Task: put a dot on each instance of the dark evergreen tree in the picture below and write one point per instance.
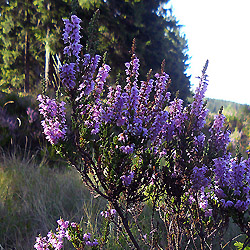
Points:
(28, 28)
(157, 35)
(30, 31)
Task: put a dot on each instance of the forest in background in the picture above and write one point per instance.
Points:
(30, 34)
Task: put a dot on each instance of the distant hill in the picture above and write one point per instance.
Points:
(229, 108)
(238, 121)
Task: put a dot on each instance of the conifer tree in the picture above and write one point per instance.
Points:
(157, 35)
(27, 29)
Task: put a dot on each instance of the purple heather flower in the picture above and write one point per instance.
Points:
(103, 73)
(63, 224)
(132, 72)
(32, 115)
(161, 94)
(219, 138)
(177, 115)
(228, 204)
(199, 178)
(87, 236)
(112, 211)
(127, 179)
(73, 224)
(129, 149)
(67, 74)
(54, 123)
(71, 36)
(41, 243)
(221, 171)
(198, 109)
(109, 213)
(95, 242)
(87, 84)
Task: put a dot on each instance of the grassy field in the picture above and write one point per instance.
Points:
(33, 197)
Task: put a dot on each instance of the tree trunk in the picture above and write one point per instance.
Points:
(27, 53)
(47, 53)
(47, 58)
(26, 62)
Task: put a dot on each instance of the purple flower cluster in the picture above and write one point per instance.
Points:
(54, 123)
(132, 72)
(55, 240)
(198, 110)
(67, 74)
(127, 179)
(108, 214)
(71, 36)
(177, 115)
(32, 115)
(199, 178)
(232, 182)
(87, 84)
(219, 137)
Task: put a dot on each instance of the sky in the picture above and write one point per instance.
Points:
(218, 30)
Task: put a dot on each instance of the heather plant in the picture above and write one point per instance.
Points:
(135, 145)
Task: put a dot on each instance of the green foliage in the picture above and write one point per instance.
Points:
(238, 121)
(239, 246)
(157, 35)
(33, 197)
(30, 32)
(25, 28)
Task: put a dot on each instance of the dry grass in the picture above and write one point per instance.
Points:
(33, 197)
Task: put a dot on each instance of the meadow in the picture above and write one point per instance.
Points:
(33, 197)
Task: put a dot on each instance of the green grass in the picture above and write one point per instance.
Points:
(33, 197)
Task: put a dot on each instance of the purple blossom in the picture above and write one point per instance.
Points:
(63, 224)
(129, 149)
(198, 110)
(32, 115)
(178, 116)
(108, 214)
(161, 95)
(102, 75)
(87, 84)
(199, 178)
(71, 36)
(132, 72)
(54, 123)
(41, 243)
(67, 74)
(219, 138)
(127, 179)
(221, 171)
(87, 236)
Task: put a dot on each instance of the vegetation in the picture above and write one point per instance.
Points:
(158, 173)
(238, 121)
(30, 34)
(33, 197)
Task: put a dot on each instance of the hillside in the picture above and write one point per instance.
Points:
(214, 106)
(238, 120)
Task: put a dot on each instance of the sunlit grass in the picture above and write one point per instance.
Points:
(33, 197)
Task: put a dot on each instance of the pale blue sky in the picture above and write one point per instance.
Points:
(218, 30)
